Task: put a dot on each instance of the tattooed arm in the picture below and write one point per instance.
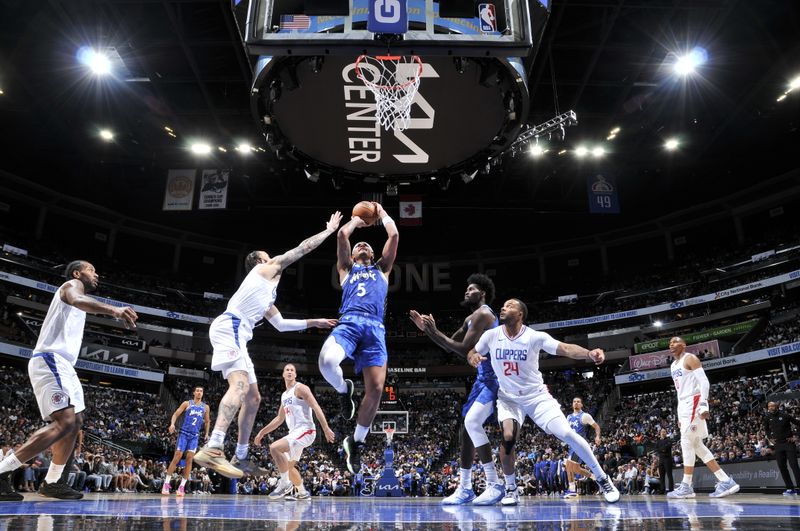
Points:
(309, 244)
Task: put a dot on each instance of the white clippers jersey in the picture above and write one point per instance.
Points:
(62, 330)
(686, 382)
(516, 360)
(298, 412)
(251, 301)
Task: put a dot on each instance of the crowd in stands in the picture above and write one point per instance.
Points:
(779, 333)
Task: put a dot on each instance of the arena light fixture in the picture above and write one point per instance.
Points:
(200, 148)
(537, 150)
(244, 148)
(672, 144)
(794, 83)
(1, 92)
(598, 152)
(658, 324)
(687, 64)
(98, 62)
(106, 135)
(612, 136)
(221, 148)
(781, 97)
(614, 131)
(581, 151)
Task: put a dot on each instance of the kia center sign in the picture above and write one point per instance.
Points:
(318, 111)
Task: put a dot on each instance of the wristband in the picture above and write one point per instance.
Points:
(386, 221)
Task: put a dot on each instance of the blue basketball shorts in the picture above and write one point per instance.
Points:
(363, 340)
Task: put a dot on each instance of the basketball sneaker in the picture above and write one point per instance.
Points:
(569, 494)
(181, 491)
(352, 450)
(459, 497)
(248, 467)
(683, 491)
(610, 492)
(725, 488)
(7, 492)
(511, 497)
(494, 493)
(296, 495)
(789, 492)
(281, 489)
(165, 490)
(214, 458)
(346, 403)
(60, 491)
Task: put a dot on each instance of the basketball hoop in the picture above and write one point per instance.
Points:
(394, 80)
(389, 434)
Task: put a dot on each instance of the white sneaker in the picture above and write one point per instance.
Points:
(281, 490)
(511, 497)
(494, 493)
(725, 488)
(682, 491)
(610, 492)
(459, 497)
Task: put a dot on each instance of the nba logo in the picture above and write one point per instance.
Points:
(488, 19)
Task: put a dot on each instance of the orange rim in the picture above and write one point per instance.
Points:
(372, 85)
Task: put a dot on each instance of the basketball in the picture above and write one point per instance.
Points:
(367, 211)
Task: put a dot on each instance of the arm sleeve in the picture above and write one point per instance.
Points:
(287, 325)
(702, 379)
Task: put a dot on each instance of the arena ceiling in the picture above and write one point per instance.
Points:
(180, 64)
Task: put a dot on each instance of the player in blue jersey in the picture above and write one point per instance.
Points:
(196, 413)
(360, 334)
(480, 403)
(578, 421)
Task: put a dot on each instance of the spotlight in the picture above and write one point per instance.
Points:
(795, 83)
(200, 148)
(657, 324)
(1, 92)
(581, 151)
(598, 152)
(687, 64)
(537, 150)
(672, 144)
(97, 62)
(106, 135)
(221, 148)
(614, 131)
(611, 137)
(562, 151)
(168, 129)
(244, 148)
(781, 97)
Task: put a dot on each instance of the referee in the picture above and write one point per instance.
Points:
(777, 424)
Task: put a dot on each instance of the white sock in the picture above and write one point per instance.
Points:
(9, 463)
(217, 439)
(465, 478)
(301, 488)
(241, 451)
(721, 475)
(687, 478)
(285, 476)
(491, 472)
(54, 472)
(360, 435)
(511, 481)
(572, 486)
(183, 482)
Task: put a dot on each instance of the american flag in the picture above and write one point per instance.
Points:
(295, 22)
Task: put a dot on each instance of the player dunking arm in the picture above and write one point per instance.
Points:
(297, 403)
(229, 334)
(360, 334)
(578, 420)
(514, 349)
(692, 387)
(197, 413)
(56, 386)
(480, 402)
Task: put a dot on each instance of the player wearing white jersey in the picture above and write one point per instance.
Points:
(514, 351)
(297, 404)
(692, 387)
(229, 334)
(56, 386)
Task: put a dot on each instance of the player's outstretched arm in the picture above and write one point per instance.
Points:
(344, 260)
(305, 393)
(389, 253)
(577, 352)
(462, 340)
(177, 414)
(74, 295)
(272, 426)
(309, 244)
(274, 317)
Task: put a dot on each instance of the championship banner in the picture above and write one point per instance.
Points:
(410, 210)
(180, 190)
(214, 189)
(663, 358)
(603, 198)
(703, 335)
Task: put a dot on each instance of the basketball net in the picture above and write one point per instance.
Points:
(389, 434)
(394, 80)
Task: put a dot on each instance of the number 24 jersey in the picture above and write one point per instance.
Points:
(515, 360)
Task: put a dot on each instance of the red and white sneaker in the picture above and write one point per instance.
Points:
(165, 489)
(181, 491)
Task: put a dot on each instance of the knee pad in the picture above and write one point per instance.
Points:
(703, 452)
(509, 445)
